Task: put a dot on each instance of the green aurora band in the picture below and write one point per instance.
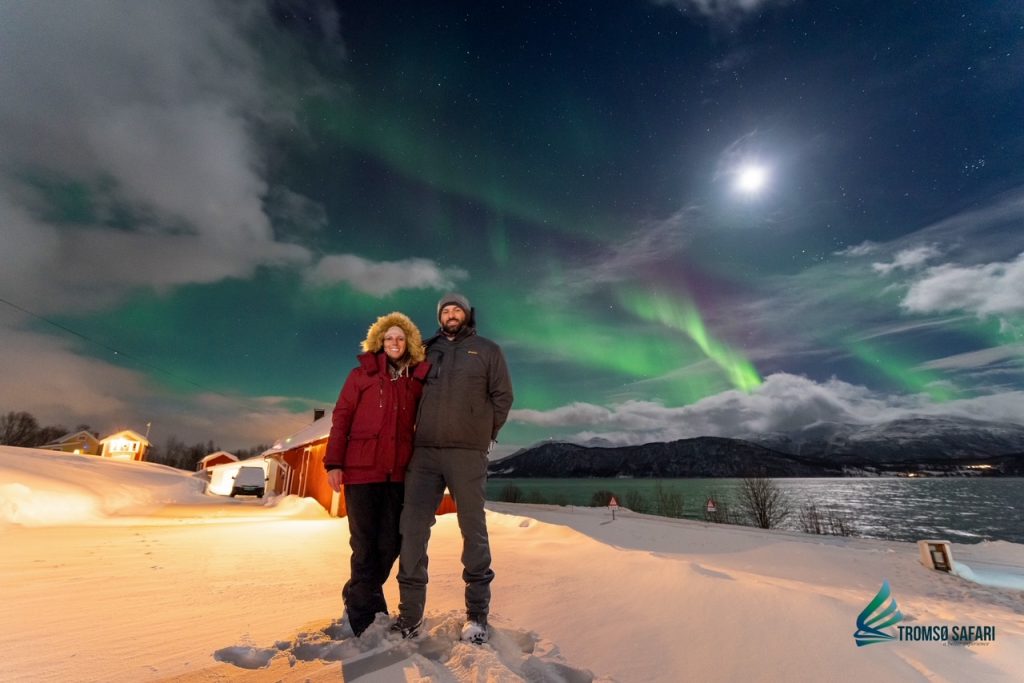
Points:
(684, 317)
(907, 373)
(373, 131)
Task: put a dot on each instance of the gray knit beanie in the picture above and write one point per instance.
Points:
(454, 298)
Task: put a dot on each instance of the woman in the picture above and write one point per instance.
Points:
(369, 448)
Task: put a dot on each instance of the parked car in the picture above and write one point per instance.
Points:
(249, 481)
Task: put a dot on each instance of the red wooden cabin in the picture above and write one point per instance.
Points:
(298, 468)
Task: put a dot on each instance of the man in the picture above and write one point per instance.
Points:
(465, 401)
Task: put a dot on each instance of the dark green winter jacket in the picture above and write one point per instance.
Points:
(467, 395)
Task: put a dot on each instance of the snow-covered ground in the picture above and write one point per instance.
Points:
(129, 572)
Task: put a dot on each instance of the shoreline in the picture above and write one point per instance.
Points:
(969, 510)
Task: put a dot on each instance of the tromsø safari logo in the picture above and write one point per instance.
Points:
(879, 622)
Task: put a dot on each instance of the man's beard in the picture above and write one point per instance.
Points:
(453, 327)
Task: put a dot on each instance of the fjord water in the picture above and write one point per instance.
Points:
(958, 509)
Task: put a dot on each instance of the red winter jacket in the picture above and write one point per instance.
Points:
(373, 422)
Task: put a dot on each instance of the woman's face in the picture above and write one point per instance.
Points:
(394, 342)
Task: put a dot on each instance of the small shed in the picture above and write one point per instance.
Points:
(215, 458)
(124, 445)
(76, 442)
(299, 470)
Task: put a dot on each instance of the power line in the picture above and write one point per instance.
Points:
(117, 352)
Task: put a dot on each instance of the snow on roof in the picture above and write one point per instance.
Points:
(236, 464)
(217, 454)
(71, 436)
(127, 433)
(317, 430)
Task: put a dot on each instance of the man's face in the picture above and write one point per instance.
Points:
(452, 319)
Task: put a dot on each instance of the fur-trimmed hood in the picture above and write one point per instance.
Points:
(374, 341)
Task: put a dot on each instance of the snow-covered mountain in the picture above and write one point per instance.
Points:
(822, 449)
(914, 439)
(707, 456)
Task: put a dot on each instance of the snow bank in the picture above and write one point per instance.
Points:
(999, 564)
(296, 507)
(47, 488)
(39, 487)
(996, 579)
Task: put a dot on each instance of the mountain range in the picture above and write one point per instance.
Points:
(916, 445)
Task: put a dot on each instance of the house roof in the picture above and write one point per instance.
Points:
(126, 433)
(319, 429)
(256, 460)
(217, 454)
(71, 436)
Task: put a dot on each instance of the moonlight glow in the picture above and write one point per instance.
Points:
(751, 179)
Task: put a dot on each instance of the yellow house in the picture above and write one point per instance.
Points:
(79, 442)
(125, 445)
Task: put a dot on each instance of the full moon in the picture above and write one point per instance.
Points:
(751, 179)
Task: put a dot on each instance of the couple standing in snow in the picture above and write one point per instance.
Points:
(412, 419)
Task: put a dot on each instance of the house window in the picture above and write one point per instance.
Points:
(122, 448)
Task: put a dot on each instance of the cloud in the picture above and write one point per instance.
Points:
(652, 243)
(146, 110)
(783, 403)
(978, 359)
(980, 235)
(29, 245)
(837, 297)
(739, 154)
(863, 249)
(193, 162)
(722, 9)
(72, 388)
(92, 268)
(901, 328)
(574, 414)
(236, 422)
(986, 289)
(908, 259)
(380, 278)
(294, 215)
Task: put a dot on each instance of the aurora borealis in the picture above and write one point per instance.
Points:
(678, 217)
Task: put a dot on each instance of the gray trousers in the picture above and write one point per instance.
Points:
(464, 472)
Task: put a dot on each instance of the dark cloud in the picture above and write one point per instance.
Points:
(155, 103)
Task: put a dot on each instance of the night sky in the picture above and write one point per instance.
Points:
(677, 217)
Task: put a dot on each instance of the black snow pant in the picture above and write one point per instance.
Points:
(464, 472)
(374, 511)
